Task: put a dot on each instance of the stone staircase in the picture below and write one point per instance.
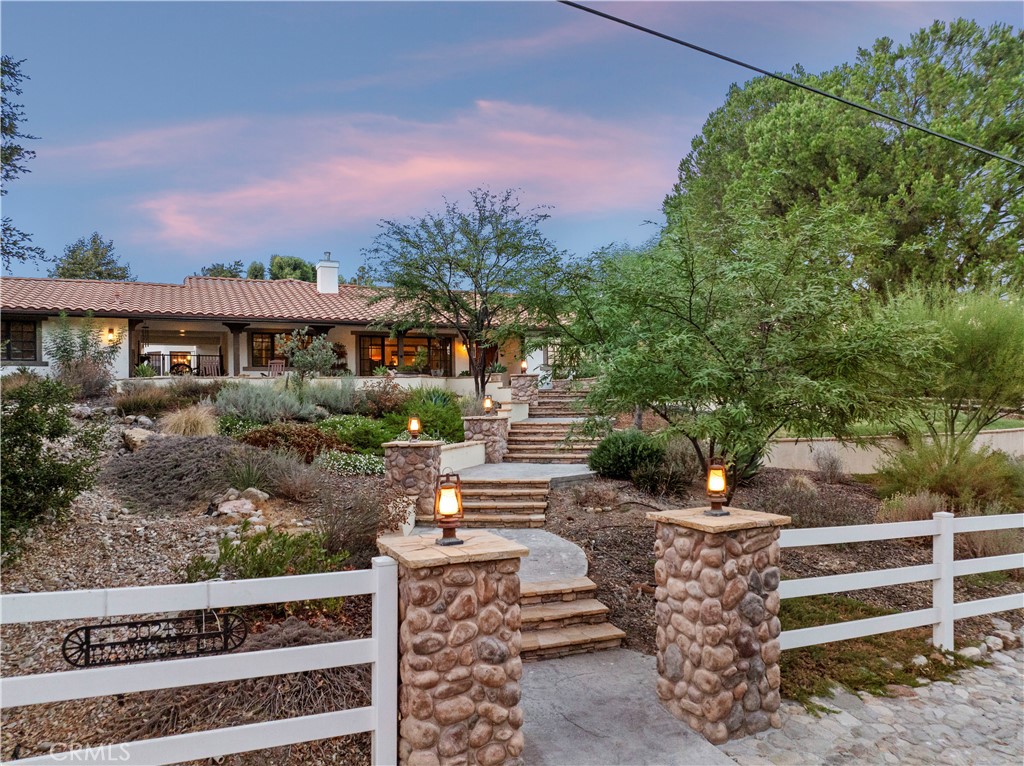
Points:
(559, 403)
(545, 441)
(501, 503)
(562, 617)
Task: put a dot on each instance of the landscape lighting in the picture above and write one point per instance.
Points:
(448, 507)
(524, 365)
(110, 335)
(414, 427)
(717, 487)
(488, 404)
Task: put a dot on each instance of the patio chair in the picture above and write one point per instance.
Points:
(209, 368)
(276, 368)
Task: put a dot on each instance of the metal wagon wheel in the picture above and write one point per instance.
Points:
(181, 368)
(76, 647)
(235, 631)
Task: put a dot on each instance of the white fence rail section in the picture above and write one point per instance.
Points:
(381, 651)
(944, 567)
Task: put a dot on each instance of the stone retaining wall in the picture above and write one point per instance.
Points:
(524, 388)
(492, 430)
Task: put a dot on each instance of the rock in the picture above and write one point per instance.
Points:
(110, 411)
(81, 411)
(994, 643)
(970, 653)
(143, 421)
(919, 661)
(232, 494)
(1009, 639)
(1000, 624)
(255, 495)
(135, 438)
(237, 507)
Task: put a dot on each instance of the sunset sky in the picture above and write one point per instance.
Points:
(197, 132)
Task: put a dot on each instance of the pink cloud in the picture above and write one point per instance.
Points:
(356, 169)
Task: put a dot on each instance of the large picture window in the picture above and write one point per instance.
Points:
(401, 354)
(262, 350)
(19, 340)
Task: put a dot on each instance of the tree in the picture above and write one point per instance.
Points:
(17, 245)
(256, 271)
(920, 208)
(462, 269)
(91, 258)
(290, 267)
(234, 269)
(307, 355)
(83, 356)
(362, 277)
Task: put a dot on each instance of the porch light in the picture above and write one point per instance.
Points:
(488, 404)
(524, 366)
(414, 427)
(110, 335)
(717, 488)
(448, 507)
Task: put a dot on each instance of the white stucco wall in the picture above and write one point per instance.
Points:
(47, 327)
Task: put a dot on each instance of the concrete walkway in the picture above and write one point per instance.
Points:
(600, 709)
(559, 474)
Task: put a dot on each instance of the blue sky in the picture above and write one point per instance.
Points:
(197, 132)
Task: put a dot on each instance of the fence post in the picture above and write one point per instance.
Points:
(385, 670)
(942, 587)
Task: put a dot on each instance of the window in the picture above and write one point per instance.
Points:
(262, 349)
(375, 351)
(19, 340)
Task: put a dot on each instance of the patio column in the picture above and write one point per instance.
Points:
(458, 642)
(717, 619)
(236, 346)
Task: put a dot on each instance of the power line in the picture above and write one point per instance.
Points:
(790, 81)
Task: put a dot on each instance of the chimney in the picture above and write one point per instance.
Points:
(327, 275)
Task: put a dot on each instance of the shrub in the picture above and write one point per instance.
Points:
(149, 400)
(262, 404)
(966, 478)
(380, 397)
(361, 434)
(232, 425)
(438, 412)
(83, 357)
(47, 462)
(186, 389)
(307, 355)
(471, 406)
(15, 380)
(350, 523)
(304, 440)
(144, 370)
(171, 474)
(674, 473)
(918, 506)
(197, 420)
(281, 474)
(798, 498)
(998, 542)
(623, 452)
(269, 553)
(829, 465)
(338, 398)
(244, 467)
(347, 463)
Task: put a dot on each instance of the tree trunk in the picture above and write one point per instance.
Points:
(638, 418)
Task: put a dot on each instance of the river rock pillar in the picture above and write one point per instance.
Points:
(717, 606)
(524, 388)
(492, 430)
(459, 641)
(412, 467)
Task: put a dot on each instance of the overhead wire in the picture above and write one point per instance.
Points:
(791, 81)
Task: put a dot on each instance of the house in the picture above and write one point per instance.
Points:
(219, 326)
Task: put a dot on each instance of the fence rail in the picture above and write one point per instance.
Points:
(380, 651)
(943, 612)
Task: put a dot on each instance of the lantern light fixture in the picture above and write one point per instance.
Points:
(110, 335)
(448, 507)
(488, 404)
(414, 427)
(717, 487)
(524, 366)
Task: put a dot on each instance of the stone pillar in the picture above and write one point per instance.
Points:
(458, 643)
(413, 467)
(492, 430)
(524, 388)
(717, 616)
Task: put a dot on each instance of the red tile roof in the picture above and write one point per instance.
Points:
(220, 298)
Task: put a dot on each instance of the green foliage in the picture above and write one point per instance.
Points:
(16, 245)
(347, 463)
(307, 355)
(186, 390)
(256, 270)
(338, 397)
(282, 474)
(438, 411)
(673, 474)
(974, 477)
(464, 269)
(46, 461)
(233, 425)
(291, 267)
(380, 370)
(916, 207)
(263, 404)
(623, 452)
(18, 378)
(234, 269)
(91, 258)
(307, 441)
(270, 553)
(144, 370)
(380, 397)
(350, 523)
(83, 357)
(362, 434)
(149, 400)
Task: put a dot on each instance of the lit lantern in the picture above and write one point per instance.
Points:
(448, 507)
(414, 427)
(717, 487)
(110, 335)
(524, 366)
(488, 404)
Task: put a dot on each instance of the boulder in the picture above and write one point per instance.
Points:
(239, 507)
(255, 495)
(135, 438)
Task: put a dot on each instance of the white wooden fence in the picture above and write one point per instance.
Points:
(944, 567)
(381, 651)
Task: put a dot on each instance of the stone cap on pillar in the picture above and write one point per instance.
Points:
(525, 375)
(420, 551)
(417, 443)
(738, 518)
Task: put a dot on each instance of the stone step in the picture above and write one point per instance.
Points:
(575, 639)
(534, 438)
(545, 591)
(555, 445)
(562, 614)
(509, 483)
(528, 493)
(518, 506)
(510, 520)
(532, 457)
